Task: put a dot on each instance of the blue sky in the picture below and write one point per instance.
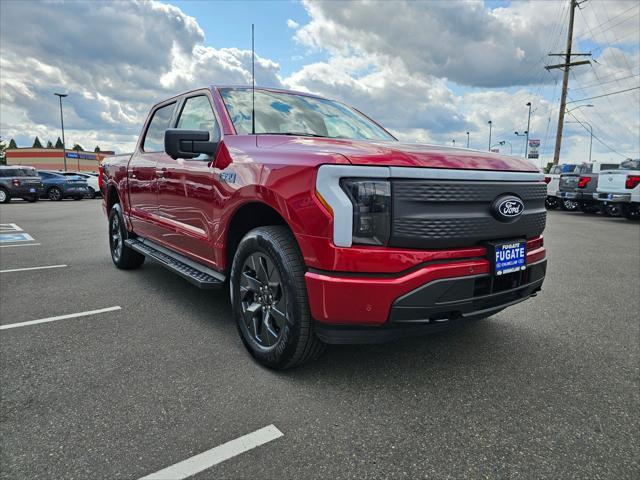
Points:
(429, 71)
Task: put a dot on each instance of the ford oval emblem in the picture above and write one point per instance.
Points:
(507, 208)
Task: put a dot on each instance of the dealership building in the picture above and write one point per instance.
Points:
(53, 159)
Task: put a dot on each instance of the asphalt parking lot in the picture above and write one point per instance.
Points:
(545, 389)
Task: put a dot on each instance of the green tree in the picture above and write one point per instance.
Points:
(97, 149)
(77, 147)
(3, 157)
(36, 143)
(59, 143)
(49, 144)
(12, 144)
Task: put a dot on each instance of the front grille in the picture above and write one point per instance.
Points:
(449, 213)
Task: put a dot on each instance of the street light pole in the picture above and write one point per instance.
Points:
(64, 145)
(454, 142)
(526, 147)
(467, 139)
(490, 125)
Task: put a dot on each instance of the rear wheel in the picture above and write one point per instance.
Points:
(4, 196)
(630, 211)
(551, 203)
(91, 194)
(123, 257)
(610, 210)
(589, 208)
(569, 205)
(54, 194)
(269, 299)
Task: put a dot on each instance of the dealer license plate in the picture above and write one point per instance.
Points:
(509, 257)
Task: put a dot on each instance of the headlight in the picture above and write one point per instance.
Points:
(371, 201)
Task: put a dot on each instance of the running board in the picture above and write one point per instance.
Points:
(199, 275)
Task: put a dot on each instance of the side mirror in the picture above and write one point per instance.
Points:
(188, 143)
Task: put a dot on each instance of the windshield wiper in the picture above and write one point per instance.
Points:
(295, 134)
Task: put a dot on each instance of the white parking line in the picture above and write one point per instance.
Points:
(20, 245)
(10, 227)
(15, 237)
(31, 268)
(61, 317)
(216, 455)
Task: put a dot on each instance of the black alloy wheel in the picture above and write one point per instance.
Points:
(263, 300)
(610, 210)
(551, 203)
(630, 211)
(569, 205)
(54, 194)
(123, 257)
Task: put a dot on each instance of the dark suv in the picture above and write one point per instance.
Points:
(19, 182)
(57, 186)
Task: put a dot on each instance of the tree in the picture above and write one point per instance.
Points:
(3, 158)
(59, 143)
(12, 144)
(77, 147)
(49, 144)
(36, 143)
(97, 149)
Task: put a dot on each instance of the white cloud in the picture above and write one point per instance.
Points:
(292, 24)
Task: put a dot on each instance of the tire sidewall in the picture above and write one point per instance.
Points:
(116, 211)
(7, 197)
(260, 241)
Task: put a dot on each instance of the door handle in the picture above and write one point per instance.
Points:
(161, 172)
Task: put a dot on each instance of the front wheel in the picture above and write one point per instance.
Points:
(630, 211)
(269, 299)
(54, 194)
(123, 257)
(91, 194)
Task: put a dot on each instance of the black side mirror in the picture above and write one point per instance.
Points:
(188, 143)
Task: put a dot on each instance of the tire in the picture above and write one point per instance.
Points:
(589, 208)
(123, 257)
(630, 211)
(551, 203)
(54, 194)
(611, 210)
(267, 276)
(569, 205)
(4, 196)
(91, 194)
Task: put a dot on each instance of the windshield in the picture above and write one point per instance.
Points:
(630, 165)
(291, 114)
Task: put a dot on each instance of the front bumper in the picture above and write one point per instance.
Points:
(612, 197)
(352, 308)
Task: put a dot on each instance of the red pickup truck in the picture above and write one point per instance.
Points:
(324, 226)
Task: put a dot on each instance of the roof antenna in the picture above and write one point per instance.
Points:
(253, 84)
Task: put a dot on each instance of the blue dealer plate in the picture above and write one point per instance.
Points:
(510, 257)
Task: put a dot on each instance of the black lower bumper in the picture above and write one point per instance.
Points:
(440, 304)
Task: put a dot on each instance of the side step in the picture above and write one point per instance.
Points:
(195, 273)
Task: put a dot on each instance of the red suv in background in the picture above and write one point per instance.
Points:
(326, 228)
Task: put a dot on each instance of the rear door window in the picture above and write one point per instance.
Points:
(154, 139)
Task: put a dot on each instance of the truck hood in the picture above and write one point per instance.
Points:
(399, 154)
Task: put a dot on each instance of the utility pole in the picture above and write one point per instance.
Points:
(565, 79)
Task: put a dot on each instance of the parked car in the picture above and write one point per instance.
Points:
(328, 229)
(18, 181)
(552, 179)
(577, 188)
(57, 186)
(92, 182)
(622, 187)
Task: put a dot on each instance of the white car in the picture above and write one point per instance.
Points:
(622, 187)
(92, 182)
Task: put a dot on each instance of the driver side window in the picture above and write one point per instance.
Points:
(197, 114)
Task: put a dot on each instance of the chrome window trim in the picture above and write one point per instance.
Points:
(328, 185)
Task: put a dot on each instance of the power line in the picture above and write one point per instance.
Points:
(598, 139)
(605, 95)
(585, 87)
